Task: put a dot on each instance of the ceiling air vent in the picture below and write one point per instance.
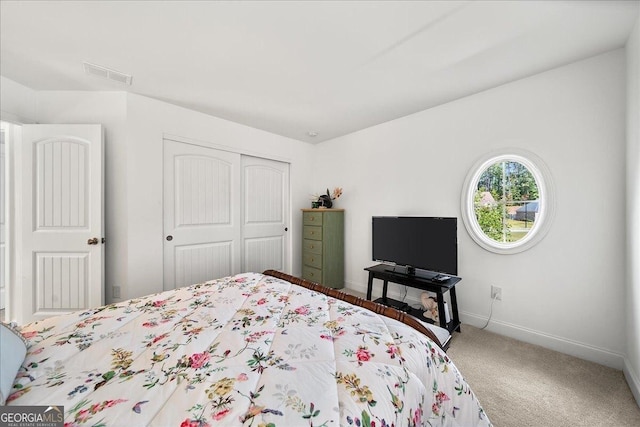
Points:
(107, 73)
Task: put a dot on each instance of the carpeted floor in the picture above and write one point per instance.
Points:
(520, 384)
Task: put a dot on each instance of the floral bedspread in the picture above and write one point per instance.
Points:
(248, 350)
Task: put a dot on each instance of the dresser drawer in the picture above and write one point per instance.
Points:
(313, 274)
(312, 218)
(312, 260)
(311, 247)
(312, 232)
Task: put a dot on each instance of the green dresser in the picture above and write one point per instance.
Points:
(323, 246)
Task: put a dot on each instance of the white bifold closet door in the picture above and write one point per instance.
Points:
(265, 192)
(224, 213)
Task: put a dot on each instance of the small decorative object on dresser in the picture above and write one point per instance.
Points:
(325, 201)
(323, 246)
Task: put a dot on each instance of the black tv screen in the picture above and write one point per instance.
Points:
(426, 243)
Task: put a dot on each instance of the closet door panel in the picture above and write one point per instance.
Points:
(201, 214)
(265, 219)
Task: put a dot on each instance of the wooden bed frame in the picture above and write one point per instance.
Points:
(360, 302)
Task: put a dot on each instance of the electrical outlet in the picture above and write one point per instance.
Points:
(496, 293)
(115, 292)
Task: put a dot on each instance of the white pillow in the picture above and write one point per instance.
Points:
(13, 349)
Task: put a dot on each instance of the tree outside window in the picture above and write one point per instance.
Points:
(506, 201)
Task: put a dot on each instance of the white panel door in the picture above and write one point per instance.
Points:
(59, 221)
(201, 214)
(265, 185)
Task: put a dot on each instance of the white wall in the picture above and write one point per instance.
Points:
(147, 121)
(17, 103)
(567, 292)
(24, 105)
(108, 109)
(632, 365)
(134, 129)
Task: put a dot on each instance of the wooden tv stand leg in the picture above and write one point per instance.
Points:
(385, 286)
(454, 308)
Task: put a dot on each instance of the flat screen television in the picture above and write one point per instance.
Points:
(425, 243)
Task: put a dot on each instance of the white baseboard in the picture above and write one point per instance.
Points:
(563, 345)
(632, 379)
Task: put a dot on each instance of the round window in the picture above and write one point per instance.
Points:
(507, 202)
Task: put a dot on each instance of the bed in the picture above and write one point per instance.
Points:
(251, 349)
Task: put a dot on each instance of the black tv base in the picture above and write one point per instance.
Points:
(381, 272)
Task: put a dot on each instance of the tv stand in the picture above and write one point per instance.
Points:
(420, 280)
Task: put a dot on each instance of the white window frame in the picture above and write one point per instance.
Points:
(546, 199)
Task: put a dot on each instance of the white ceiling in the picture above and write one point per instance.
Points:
(290, 67)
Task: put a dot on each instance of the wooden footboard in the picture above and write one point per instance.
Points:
(352, 299)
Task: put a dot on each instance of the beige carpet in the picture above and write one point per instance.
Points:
(520, 384)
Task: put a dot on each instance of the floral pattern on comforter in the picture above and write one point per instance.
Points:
(248, 350)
